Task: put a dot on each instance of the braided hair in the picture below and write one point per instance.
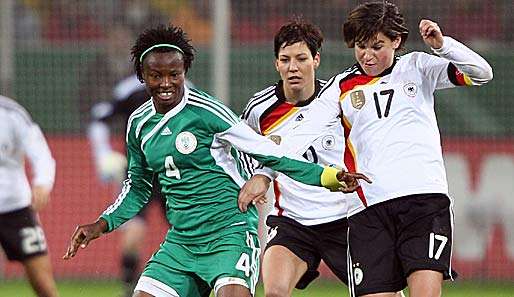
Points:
(170, 35)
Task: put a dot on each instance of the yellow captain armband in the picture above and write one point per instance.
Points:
(329, 179)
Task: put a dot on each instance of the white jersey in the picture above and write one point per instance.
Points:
(20, 137)
(269, 114)
(391, 131)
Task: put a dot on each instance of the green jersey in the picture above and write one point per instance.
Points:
(194, 151)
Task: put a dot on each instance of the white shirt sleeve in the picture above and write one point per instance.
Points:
(244, 139)
(476, 68)
(253, 122)
(38, 153)
(322, 113)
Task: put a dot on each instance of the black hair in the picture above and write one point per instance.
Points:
(298, 30)
(162, 35)
(368, 19)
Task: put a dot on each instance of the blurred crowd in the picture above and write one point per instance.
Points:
(252, 21)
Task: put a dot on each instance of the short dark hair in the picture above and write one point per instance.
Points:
(367, 20)
(159, 35)
(298, 30)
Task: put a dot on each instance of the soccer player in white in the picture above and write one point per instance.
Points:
(400, 228)
(307, 224)
(21, 235)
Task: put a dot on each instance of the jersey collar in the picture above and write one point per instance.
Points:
(384, 73)
(178, 107)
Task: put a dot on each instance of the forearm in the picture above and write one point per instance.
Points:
(476, 68)
(133, 197)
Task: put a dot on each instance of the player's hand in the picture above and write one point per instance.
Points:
(431, 34)
(253, 191)
(350, 180)
(40, 197)
(83, 235)
(112, 167)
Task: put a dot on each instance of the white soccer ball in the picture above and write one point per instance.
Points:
(112, 167)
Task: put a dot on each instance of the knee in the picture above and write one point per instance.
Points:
(277, 291)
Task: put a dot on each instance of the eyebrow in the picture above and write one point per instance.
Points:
(297, 55)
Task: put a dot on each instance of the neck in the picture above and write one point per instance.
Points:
(297, 96)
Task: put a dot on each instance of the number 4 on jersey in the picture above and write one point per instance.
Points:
(171, 169)
(243, 264)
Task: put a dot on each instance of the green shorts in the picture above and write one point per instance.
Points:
(196, 269)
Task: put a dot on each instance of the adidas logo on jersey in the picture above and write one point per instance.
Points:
(299, 117)
(166, 131)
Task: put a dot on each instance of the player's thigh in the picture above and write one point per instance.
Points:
(333, 247)
(133, 233)
(281, 270)
(171, 270)
(425, 242)
(301, 241)
(21, 236)
(231, 260)
(373, 263)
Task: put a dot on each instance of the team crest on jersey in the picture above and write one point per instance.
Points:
(275, 138)
(358, 99)
(328, 142)
(186, 142)
(358, 275)
(410, 89)
(272, 232)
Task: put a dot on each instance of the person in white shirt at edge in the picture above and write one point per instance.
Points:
(298, 237)
(21, 235)
(400, 227)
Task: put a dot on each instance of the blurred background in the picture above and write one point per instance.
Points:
(59, 57)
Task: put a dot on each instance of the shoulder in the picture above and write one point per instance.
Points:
(126, 87)
(208, 107)
(14, 109)
(336, 81)
(259, 100)
(139, 115)
(415, 59)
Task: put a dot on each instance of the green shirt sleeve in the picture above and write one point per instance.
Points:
(136, 189)
(271, 155)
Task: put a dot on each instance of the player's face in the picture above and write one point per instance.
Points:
(164, 76)
(376, 55)
(296, 66)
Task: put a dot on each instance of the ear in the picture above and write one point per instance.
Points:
(276, 65)
(143, 76)
(396, 42)
(317, 60)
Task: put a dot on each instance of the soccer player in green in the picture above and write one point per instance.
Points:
(191, 141)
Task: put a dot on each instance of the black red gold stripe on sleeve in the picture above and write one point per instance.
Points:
(277, 116)
(457, 77)
(350, 156)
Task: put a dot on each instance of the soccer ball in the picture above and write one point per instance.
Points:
(112, 167)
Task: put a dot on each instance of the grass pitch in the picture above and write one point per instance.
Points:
(19, 288)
